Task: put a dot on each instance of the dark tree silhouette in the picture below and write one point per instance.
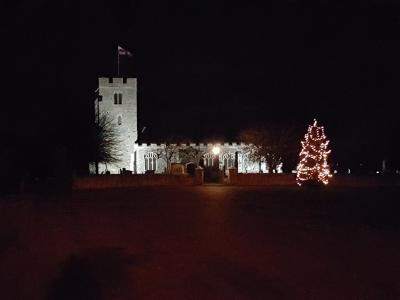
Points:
(272, 144)
(255, 144)
(105, 142)
(190, 155)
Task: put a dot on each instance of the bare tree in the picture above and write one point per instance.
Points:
(281, 145)
(168, 152)
(274, 143)
(105, 144)
(255, 144)
(190, 154)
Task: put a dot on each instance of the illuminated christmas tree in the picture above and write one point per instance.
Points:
(313, 166)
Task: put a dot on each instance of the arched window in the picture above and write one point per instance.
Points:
(208, 159)
(150, 161)
(229, 160)
(117, 98)
(245, 162)
(119, 120)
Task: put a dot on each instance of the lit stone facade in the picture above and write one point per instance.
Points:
(119, 101)
(230, 155)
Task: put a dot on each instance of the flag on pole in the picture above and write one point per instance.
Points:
(122, 51)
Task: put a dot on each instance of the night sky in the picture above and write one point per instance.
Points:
(206, 70)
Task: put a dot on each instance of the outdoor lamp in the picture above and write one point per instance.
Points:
(216, 150)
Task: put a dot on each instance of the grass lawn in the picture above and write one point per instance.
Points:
(209, 242)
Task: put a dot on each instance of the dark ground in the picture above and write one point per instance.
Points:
(208, 242)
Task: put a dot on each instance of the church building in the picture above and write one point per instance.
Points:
(118, 100)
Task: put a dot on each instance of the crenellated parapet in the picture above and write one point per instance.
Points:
(117, 81)
(201, 145)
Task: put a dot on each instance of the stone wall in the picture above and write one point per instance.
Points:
(125, 181)
(365, 181)
(237, 179)
(290, 180)
(261, 179)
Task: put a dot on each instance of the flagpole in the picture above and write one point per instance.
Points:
(121, 51)
(118, 61)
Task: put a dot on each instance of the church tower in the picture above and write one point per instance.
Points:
(118, 100)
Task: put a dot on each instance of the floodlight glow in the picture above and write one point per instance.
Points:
(216, 150)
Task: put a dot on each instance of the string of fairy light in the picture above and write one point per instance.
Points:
(313, 164)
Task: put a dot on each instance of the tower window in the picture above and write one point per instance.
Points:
(117, 98)
(119, 120)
